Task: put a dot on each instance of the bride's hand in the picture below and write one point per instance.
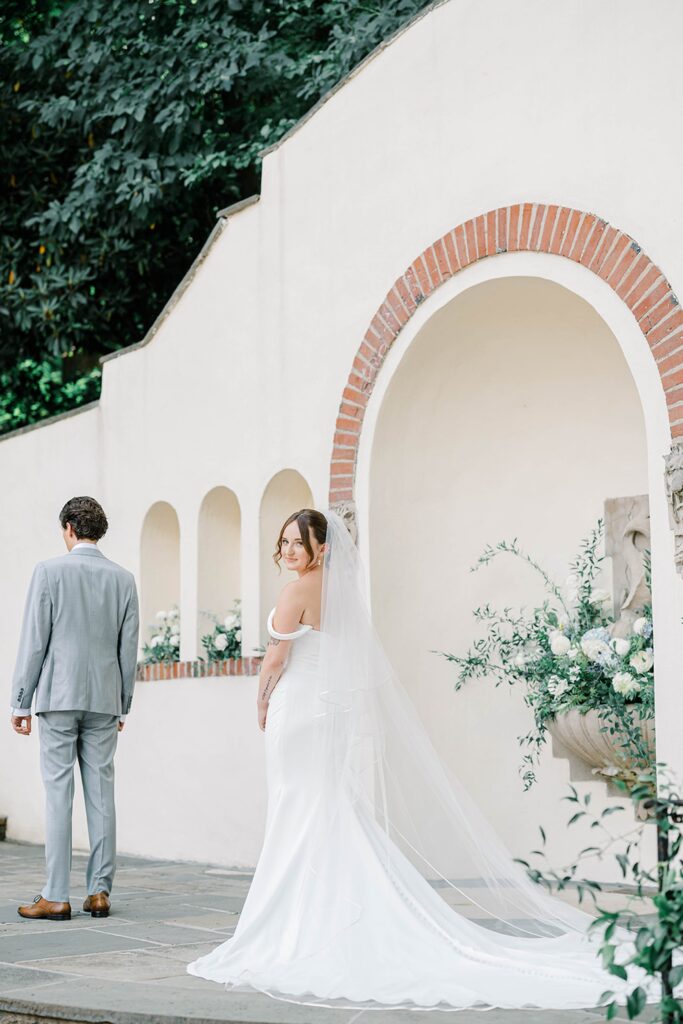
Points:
(262, 708)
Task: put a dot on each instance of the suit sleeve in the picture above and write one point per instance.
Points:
(35, 636)
(128, 649)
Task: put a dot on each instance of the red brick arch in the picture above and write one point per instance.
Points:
(525, 227)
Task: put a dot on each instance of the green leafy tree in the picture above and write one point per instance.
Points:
(125, 125)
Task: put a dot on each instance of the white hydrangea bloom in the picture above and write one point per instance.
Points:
(594, 649)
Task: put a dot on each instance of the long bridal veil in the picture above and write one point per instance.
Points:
(374, 755)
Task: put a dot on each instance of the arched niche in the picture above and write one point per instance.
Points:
(287, 492)
(159, 564)
(511, 413)
(218, 556)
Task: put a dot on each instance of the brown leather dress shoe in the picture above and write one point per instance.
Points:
(98, 904)
(42, 909)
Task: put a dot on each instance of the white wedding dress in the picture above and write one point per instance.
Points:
(357, 924)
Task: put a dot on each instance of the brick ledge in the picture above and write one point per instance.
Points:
(198, 669)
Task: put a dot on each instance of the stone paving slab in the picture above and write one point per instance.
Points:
(130, 968)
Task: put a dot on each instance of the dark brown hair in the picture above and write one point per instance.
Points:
(307, 519)
(86, 517)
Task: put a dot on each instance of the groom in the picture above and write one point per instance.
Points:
(77, 655)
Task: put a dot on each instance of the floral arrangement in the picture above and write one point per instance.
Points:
(164, 644)
(565, 655)
(225, 640)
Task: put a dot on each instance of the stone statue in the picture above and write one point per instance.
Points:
(347, 511)
(674, 488)
(627, 538)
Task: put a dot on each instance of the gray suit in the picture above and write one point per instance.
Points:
(77, 656)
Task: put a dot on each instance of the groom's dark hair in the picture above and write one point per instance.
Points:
(86, 517)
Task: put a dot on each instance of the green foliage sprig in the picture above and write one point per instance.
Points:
(657, 937)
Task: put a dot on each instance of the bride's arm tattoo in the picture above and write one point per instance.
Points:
(269, 683)
(271, 675)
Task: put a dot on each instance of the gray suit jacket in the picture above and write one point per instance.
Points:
(79, 638)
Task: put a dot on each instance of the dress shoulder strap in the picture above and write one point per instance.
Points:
(286, 636)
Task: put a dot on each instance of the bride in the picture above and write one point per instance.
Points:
(380, 883)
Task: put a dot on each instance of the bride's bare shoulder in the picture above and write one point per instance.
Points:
(289, 608)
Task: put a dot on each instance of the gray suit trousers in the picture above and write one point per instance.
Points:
(90, 737)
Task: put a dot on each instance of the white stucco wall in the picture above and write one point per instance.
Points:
(474, 106)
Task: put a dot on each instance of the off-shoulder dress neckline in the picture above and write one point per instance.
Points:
(304, 627)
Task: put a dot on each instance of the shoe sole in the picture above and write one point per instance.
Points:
(99, 913)
(46, 917)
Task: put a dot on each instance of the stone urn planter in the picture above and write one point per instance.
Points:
(580, 734)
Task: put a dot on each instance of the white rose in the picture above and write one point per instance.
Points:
(621, 646)
(220, 642)
(175, 640)
(639, 626)
(230, 621)
(559, 643)
(238, 634)
(624, 683)
(156, 640)
(599, 596)
(641, 661)
(160, 616)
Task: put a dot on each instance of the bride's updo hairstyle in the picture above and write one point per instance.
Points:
(307, 519)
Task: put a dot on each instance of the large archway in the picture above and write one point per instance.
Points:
(632, 296)
(582, 237)
(511, 414)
